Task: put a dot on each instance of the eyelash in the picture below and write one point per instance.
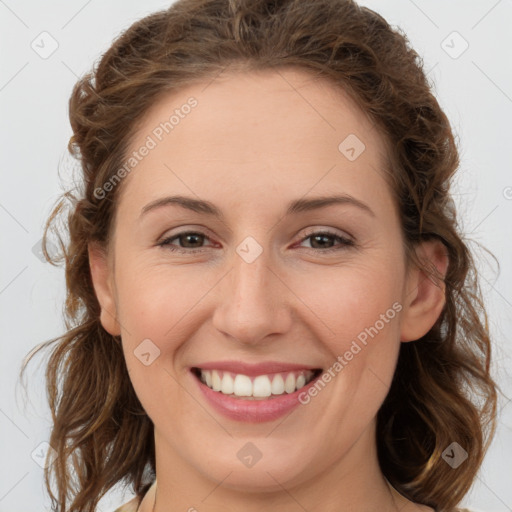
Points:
(345, 242)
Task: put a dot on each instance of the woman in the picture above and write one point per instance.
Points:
(314, 346)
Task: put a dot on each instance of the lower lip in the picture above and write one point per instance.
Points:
(253, 411)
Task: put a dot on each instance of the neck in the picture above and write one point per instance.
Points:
(354, 482)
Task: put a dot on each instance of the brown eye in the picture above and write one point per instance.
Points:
(321, 240)
(190, 240)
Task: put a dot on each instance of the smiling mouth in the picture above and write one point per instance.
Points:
(260, 387)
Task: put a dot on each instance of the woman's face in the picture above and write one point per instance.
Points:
(259, 281)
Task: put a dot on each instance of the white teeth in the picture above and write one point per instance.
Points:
(242, 386)
(227, 384)
(289, 383)
(261, 386)
(278, 385)
(216, 382)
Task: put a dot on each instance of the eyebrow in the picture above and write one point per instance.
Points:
(296, 206)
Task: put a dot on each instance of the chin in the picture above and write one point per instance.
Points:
(269, 473)
(266, 479)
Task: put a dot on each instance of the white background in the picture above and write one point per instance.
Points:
(475, 90)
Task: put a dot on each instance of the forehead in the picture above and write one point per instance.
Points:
(264, 132)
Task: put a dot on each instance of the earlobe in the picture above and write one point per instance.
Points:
(102, 281)
(424, 296)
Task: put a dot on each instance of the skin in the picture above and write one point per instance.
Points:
(255, 142)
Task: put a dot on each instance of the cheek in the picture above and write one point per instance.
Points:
(153, 299)
(355, 313)
(348, 300)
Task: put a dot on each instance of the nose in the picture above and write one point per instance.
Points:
(253, 302)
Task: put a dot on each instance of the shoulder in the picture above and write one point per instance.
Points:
(461, 510)
(134, 505)
(424, 508)
(130, 506)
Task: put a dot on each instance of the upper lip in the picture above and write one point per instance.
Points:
(254, 369)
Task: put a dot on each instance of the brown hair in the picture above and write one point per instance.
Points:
(442, 389)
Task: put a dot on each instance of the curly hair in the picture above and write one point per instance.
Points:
(442, 389)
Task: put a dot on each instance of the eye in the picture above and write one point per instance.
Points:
(188, 237)
(190, 241)
(319, 239)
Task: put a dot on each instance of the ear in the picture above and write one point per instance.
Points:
(101, 274)
(425, 293)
